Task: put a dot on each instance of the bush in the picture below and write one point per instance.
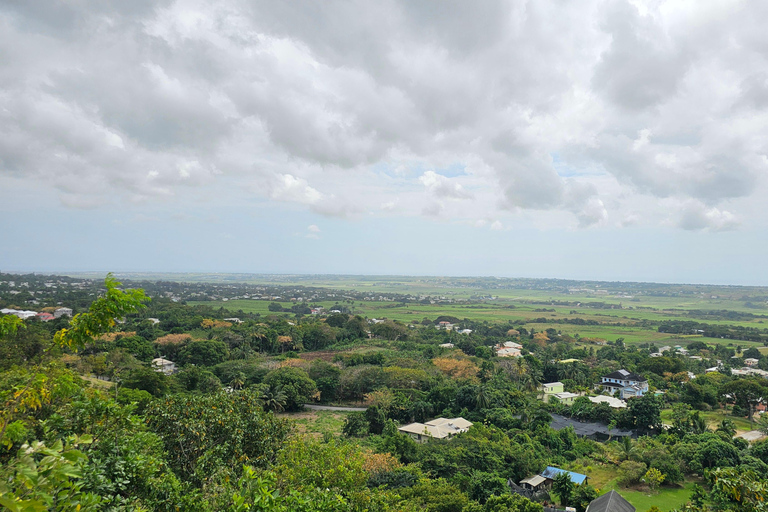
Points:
(294, 383)
(630, 472)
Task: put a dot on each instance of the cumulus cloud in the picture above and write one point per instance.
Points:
(542, 102)
(314, 231)
(443, 187)
(694, 216)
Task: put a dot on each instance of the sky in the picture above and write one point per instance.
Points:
(610, 140)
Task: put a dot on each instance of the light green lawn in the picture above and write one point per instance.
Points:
(667, 498)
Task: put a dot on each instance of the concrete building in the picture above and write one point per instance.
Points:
(628, 384)
(439, 428)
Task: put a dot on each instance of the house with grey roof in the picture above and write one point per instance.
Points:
(610, 502)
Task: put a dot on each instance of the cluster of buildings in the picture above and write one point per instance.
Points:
(538, 486)
(43, 316)
(622, 382)
(448, 326)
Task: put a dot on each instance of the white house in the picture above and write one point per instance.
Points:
(439, 428)
(62, 312)
(164, 366)
(626, 383)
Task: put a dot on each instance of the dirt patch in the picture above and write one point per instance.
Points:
(325, 355)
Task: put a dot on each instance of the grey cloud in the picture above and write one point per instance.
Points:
(143, 98)
(695, 216)
(642, 66)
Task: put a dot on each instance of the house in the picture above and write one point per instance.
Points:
(62, 312)
(534, 483)
(664, 349)
(446, 345)
(751, 361)
(627, 384)
(566, 397)
(465, 331)
(154, 321)
(550, 389)
(615, 403)
(508, 352)
(45, 317)
(509, 344)
(439, 428)
(164, 366)
(551, 473)
(316, 311)
(571, 360)
(610, 502)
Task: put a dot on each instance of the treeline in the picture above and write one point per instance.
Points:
(734, 332)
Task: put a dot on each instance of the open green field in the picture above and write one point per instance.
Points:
(713, 419)
(633, 324)
(316, 423)
(604, 477)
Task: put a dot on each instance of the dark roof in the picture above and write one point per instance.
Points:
(587, 429)
(610, 502)
(625, 375)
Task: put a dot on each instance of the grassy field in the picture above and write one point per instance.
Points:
(603, 477)
(317, 423)
(631, 329)
(713, 419)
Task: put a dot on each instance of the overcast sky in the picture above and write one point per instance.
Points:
(620, 140)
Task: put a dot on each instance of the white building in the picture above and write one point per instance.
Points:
(439, 428)
(164, 366)
(62, 312)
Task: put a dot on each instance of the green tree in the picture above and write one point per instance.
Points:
(327, 376)
(101, 315)
(564, 488)
(582, 496)
(645, 413)
(295, 383)
(47, 478)
(207, 435)
(653, 477)
(204, 353)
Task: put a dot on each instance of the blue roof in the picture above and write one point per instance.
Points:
(552, 472)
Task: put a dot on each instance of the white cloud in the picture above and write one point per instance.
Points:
(603, 112)
(443, 187)
(695, 216)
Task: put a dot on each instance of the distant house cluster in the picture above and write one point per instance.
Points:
(42, 316)
(448, 326)
(439, 428)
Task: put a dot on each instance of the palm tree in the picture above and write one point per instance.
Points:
(698, 424)
(626, 447)
(275, 400)
(727, 426)
(238, 381)
(483, 398)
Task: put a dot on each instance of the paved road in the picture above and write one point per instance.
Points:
(333, 408)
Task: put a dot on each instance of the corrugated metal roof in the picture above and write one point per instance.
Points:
(551, 472)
